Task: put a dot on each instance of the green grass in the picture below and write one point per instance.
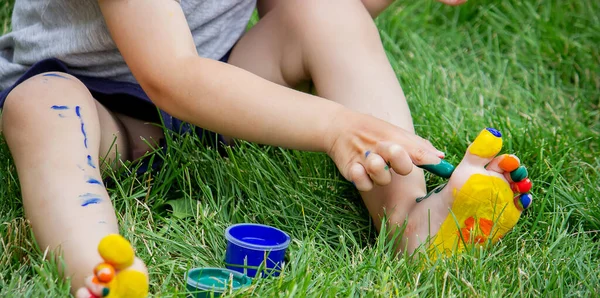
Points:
(529, 68)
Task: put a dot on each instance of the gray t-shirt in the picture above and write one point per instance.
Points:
(74, 31)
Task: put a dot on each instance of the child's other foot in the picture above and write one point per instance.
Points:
(120, 275)
(486, 193)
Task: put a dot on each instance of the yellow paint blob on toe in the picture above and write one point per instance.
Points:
(486, 144)
(130, 284)
(117, 251)
(483, 210)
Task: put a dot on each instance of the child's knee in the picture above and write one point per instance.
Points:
(315, 17)
(42, 93)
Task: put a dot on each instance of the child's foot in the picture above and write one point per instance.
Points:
(486, 194)
(120, 275)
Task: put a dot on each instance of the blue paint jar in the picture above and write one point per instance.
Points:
(255, 249)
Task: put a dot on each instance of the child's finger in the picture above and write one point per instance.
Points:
(419, 150)
(422, 156)
(398, 158)
(360, 178)
(426, 144)
(378, 169)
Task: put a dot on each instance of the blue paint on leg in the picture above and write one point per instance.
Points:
(90, 199)
(59, 107)
(55, 75)
(93, 181)
(78, 112)
(90, 162)
(84, 135)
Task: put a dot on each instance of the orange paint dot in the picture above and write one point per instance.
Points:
(466, 231)
(486, 226)
(480, 239)
(509, 163)
(105, 272)
(466, 234)
(470, 222)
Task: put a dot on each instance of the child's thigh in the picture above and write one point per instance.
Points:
(33, 106)
(143, 136)
(294, 36)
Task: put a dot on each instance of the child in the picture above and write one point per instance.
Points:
(70, 72)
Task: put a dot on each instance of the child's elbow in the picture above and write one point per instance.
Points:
(162, 82)
(174, 84)
(155, 88)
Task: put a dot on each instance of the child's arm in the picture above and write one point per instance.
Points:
(157, 45)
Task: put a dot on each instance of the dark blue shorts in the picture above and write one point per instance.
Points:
(119, 97)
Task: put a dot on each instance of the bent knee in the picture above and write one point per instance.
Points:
(47, 87)
(29, 102)
(337, 15)
(51, 90)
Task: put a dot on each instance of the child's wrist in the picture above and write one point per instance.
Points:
(336, 123)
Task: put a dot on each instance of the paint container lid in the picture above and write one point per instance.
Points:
(216, 279)
(257, 237)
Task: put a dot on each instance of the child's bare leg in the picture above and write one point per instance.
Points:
(336, 44)
(56, 131)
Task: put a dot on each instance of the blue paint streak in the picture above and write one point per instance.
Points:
(55, 75)
(90, 162)
(89, 199)
(78, 112)
(61, 115)
(93, 181)
(84, 135)
(59, 107)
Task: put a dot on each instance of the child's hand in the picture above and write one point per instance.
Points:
(365, 148)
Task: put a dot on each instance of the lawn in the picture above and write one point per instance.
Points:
(528, 68)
